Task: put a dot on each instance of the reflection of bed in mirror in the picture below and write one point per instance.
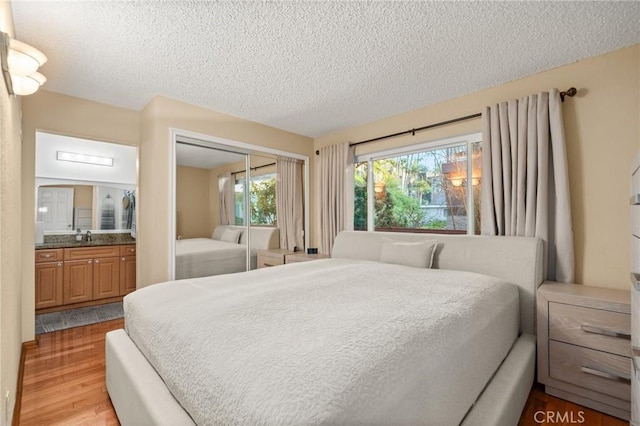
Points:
(201, 257)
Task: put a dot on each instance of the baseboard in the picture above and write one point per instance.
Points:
(18, 404)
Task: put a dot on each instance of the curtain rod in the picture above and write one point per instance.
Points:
(571, 92)
(253, 168)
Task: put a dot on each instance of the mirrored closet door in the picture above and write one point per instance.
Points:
(210, 211)
(231, 204)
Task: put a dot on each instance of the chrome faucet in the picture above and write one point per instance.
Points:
(89, 236)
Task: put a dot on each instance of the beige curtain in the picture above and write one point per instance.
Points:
(525, 182)
(289, 203)
(336, 193)
(226, 198)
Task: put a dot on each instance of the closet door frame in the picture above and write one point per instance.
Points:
(214, 142)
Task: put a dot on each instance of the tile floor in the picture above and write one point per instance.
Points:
(46, 323)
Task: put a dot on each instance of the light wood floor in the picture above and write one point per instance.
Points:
(64, 384)
(540, 401)
(64, 380)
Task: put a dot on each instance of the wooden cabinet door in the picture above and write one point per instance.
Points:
(127, 275)
(49, 277)
(78, 281)
(106, 277)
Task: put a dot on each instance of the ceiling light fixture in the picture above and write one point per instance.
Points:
(84, 158)
(20, 63)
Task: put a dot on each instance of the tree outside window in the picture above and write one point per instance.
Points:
(262, 191)
(425, 190)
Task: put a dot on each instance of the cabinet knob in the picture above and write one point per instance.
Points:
(123, 259)
(97, 261)
(90, 261)
(46, 256)
(59, 264)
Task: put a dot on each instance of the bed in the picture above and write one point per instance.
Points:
(338, 341)
(201, 257)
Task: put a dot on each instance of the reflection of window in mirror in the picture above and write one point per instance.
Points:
(262, 191)
(114, 208)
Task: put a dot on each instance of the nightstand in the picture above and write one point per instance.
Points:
(584, 347)
(304, 257)
(272, 257)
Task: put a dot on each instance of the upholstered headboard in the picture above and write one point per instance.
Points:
(518, 260)
(262, 238)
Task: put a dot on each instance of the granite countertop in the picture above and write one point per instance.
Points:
(69, 241)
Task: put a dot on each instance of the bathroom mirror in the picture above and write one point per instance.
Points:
(84, 184)
(67, 208)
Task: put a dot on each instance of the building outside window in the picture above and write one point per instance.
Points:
(426, 189)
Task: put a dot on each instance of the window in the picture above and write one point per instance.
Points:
(425, 190)
(263, 200)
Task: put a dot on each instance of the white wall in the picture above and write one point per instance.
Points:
(47, 166)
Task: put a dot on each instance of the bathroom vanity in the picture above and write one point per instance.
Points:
(70, 274)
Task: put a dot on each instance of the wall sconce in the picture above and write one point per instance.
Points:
(457, 181)
(463, 182)
(20, 63)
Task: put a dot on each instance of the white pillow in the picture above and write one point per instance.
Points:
(230, 236)
(417, 254)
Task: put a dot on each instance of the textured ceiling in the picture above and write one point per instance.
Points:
(205, 158)
(311, 67)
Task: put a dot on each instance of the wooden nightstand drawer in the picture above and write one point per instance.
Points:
(583, 345)
(599, 371)
(265, 261)
(273, 257)
(635, 323)
(303, 257)
(591, 328)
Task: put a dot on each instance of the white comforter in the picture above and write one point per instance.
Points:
(326, 342)
(201, 257)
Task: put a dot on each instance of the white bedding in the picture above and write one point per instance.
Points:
(326, 342)
(201, 257)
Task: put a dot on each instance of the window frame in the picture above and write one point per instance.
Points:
(467, 139)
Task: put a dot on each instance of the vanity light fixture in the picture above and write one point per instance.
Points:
(20, 63)
(84, 158)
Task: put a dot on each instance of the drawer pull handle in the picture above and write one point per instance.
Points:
(46, 256)
(268, 264)
(635, 280)
(635, 353)
(606, 374)
(606, 331)
(635, 200)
